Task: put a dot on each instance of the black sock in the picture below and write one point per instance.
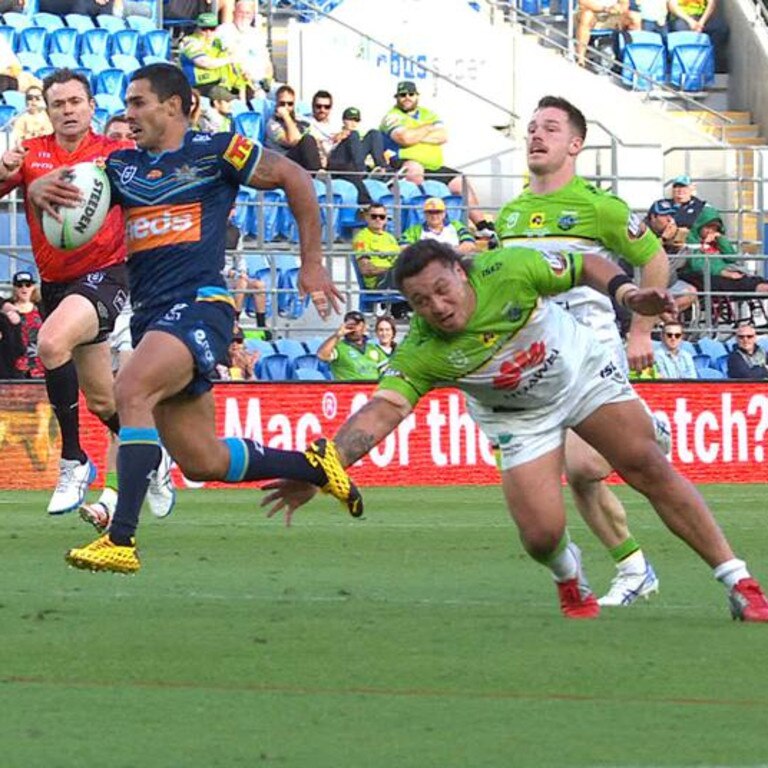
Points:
(112, 423)
(138, 455)
(261, 319)
(62, 387)
(249, 460)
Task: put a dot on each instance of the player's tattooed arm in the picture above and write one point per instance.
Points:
(370, 425)
(268, 172)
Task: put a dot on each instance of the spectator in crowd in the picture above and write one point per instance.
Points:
(386, 331)
(118, 129)
(688, 207)
(437, 226)
(661, 221)
(653, 16)
(238, 280)
(219, 116)
(418, 135)
(352, 355)
(703, 16)
(13, 77)
(747, 360)
(370, 147)
(618, 15)
(246, 41)
(25, 300)
(289, 134)
(34, 121)
(672, 361)
(191, 9)
(376, 250)
(11, 344)
(197, 119)
(206, 64)
(242, 361)
(726, 274)
(12, 6)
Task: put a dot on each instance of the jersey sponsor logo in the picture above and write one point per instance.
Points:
(201, 138)
(127, 174)
(558, 262)
(635, 226)
(512, 312)
(238, 151)
(567, 221)
(44, 166)
(95, 278)
(458, 359)
(154, 174)
(536, 221)
(511, 371)
(185, 173)
(488, 339)
(155, 226)
(512, 219)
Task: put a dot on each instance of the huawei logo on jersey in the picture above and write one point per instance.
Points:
(155, 226)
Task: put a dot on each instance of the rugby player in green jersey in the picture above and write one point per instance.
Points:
(560, 210)
(530, 372)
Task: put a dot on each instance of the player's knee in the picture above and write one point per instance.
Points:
(102, 405)
(644, 467)
(51, 350)
(541, 543)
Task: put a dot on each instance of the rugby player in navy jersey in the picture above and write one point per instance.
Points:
(176, 190)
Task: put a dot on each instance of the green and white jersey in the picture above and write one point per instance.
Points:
(519, 351)
(579, 217)
(353, 362)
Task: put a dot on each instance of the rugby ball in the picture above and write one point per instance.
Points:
(79, 225)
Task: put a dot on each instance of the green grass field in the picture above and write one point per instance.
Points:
(419, 636)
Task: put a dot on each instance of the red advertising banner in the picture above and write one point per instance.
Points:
(719, 431)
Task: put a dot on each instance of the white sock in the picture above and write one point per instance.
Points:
(564, 565)
(635, 563)
(731, 572)
(109, 499)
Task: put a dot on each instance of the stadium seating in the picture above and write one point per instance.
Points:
(309, 374)
(79, 22)
(111, 80)
(310, 361)
(156, 42)
(109, 101)
(711, 373)
(692, 61)
(49, 21)
(64, 40)
(702, 362)
(250, 124)
(63, 60)
(141, 24)
(32, 61)
(274, 367)
(291, 347)
(16, 99)
(7, 114)
(644, 61)
(125, 62)
(34, 40)
(330, 204)
(289, 303)
(126, 41)
(264, 348)
(376, 189)
(18, 21)
(711, 347)
(313, 343)
(9, 34)
(348, 220)
(406, 191)
(96, 62)
(370, 299)
(109, 22)
(95, 41)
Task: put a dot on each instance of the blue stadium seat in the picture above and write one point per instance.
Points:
(250, 124)
(63, 60)
(762, 342)
(285, 261)
(256, 263)
(126, 41)
(16, 20)
(688, 346)
(370, 298)
(109, 101)
(45, 71)
(34, 40)
(711, 373)
(94, 41)
(263, 347)
(273, 211)
(644, 64)
(141, 24)
(289, 303)
(408, 214)
(711, 347)
(111, 80)
(702, 362)
(308, 361)
(329, 210)
(348, 220)
(309, 374)
(96, 62)
(148, 59)
(376, 189)
(10, 36)
(313, 343)
(64, 40)
(16, 99)
(48, 20)
(156, 42)
(435, 188)
(245, 196)
(692, 61)
(7, 114)
(109, 22)
(721, 363)
(32, 61)
(269, 278)
(291, 347)
(237, 107)
(274, 367)
(127, 63)
(79, 22)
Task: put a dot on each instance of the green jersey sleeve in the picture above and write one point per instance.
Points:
(625, 233)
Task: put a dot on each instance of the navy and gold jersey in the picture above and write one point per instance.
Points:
(176, 206)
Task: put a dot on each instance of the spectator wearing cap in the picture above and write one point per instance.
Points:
(219, 115)
(688, 207)
(661, 221)
(376, 250)
(352, 355)
(245, 39)
(437, 226)
(25, 301)
(747, 360)
(672, 360)
(206, 63)
(417, 134)
(11, 344)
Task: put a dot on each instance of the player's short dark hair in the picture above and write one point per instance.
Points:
(166, 80)
(118, 118)
(575, 115)
(65, 75)
(415, 258)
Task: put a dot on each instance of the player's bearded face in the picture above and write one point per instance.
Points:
(550, 141)
(69, 108)
(442, 295)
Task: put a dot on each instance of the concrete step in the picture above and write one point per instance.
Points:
(747, 141)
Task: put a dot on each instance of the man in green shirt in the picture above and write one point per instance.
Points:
(352, 355)
(560, 210)
(530, 372)
(376, 250)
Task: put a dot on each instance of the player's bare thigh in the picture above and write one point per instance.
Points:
(94, 375)
(72, 323)
(582, 462)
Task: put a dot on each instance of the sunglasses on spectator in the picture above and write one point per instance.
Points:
(674, 335)
(34, 97)
(322, 106)
(381, 216)
(745, 335)
(285, 103)
(24, 284)
(407, 93)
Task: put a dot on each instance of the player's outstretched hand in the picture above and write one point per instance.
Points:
(53, 190)
(652, 301)
(315, 281)
(287, 496)
(12, 159)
